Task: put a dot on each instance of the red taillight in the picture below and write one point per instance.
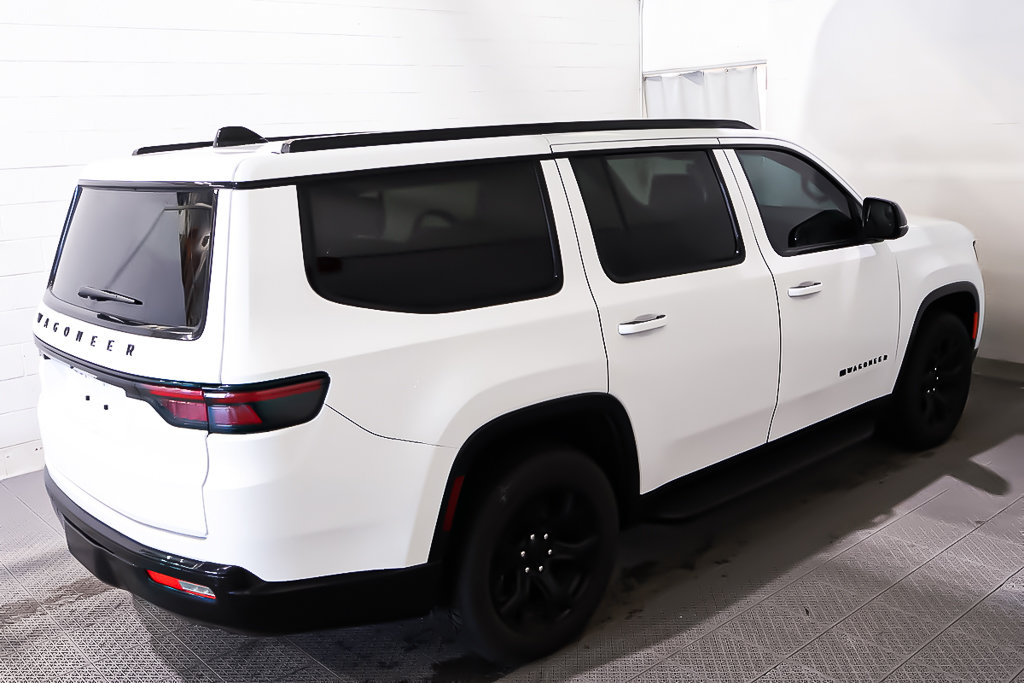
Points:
(180, 585)
(233, 415)
(256, 395)
(235, 409)
(182, 406)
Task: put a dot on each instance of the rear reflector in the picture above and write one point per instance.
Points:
(238, 409)
(453, 500)
(182, 586)
(974, 328)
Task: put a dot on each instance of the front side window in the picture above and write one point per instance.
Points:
(801, 208)
(656, 214)
(430, 240)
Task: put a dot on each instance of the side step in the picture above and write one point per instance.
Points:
(722, 482)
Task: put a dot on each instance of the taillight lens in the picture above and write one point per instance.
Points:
(239, 409)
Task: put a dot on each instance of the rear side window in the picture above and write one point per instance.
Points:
(430, 240)
(138, 259)
(657, 214)
(802, 209)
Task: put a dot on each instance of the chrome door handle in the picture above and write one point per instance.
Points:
(805, 289)
(643, 323)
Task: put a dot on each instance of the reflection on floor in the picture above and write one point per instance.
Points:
(871, 565)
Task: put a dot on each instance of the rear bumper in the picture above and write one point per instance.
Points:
(243, 601)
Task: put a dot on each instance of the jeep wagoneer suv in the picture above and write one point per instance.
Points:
(293, 384)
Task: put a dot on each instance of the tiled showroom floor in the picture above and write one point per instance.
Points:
(870, 565)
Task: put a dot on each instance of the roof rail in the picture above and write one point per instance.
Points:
(227, 136)
(345, 140)
(153, 149)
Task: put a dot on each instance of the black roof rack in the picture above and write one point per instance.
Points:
(310, 144)
(236, 135)
(227, 136)
(153, 149)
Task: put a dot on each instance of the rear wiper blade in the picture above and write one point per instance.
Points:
(120, 319)
(110, 317)
(106, 295)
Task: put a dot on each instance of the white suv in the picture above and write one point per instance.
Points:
(326, 380)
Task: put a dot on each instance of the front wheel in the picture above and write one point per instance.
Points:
(537, 557)
(932, 389)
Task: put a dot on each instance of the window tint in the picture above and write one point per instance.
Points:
(430, 239)
(138, 259)
(657, 214)
(802, 209)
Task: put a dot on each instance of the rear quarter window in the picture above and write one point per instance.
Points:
(430, 240)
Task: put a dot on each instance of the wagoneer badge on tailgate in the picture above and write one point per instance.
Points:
(57, 328)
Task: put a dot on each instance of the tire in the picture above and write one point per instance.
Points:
(537, 558)
(932, 388)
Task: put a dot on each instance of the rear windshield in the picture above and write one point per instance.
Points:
(138, 259)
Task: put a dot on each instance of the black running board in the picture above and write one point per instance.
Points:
(722, 482)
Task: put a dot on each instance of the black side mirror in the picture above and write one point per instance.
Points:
(883, 220)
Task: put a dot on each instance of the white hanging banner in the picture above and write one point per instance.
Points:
(730, 93)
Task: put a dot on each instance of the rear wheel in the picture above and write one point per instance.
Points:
(538, 557)
(932, 389)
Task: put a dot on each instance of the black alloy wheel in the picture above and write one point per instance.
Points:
(932, 390)
(538, 557)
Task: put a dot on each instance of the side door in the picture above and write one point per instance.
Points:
(838, 294)
(686, 303)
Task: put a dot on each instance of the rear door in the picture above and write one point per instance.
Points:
(687, 305)
(838, 295)
(133, 293)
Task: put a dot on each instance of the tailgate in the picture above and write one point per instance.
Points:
(135, 292)
(120, 451)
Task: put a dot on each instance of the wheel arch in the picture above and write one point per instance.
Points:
(959, 298)
(596, 424)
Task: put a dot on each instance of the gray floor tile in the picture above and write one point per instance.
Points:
(994, 551)
(942, 590)
(780, 625)
(209, 643)
(715, 657)
(889, 628)
(998, 619)
(923, 530)
(35, 499)
(963, 504)
(974, 660)
(1008, 524)
(873, 565)
(843, 657)
(44, 659)
(314, 673)
(161, 658)
(263, 659)
(917, 672)
(788, 672)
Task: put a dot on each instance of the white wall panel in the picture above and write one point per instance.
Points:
(82, 81)
(919, 101)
